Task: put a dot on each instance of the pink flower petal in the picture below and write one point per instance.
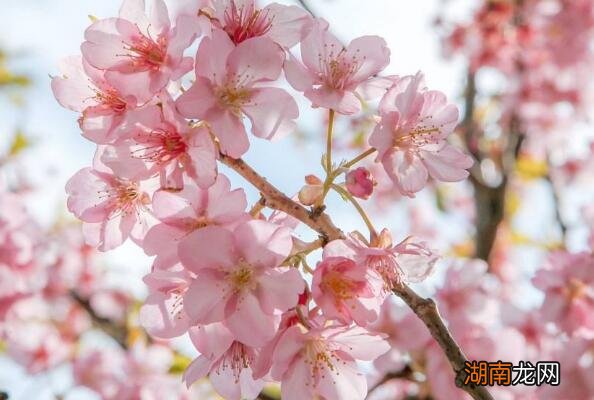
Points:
(271, 111)
(205, 300)
(256, 60)
(209, 247)
(249, 324)
(263, 244)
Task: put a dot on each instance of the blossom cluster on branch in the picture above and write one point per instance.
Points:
(169, 93)
(228, 277)
(54, 292)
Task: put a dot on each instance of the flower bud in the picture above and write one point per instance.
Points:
(311, 191)
(360, 183)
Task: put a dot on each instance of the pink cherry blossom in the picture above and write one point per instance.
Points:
(100, 371)
(331, 74)
(17, 231)
(111, 303)
(227, 362)
(411, 136)
(103, 104)
(161, 143)
(13, 212)
(360, 183)
(539, 339)
(465, 296)
(576, 382)
(38, 346)
(163, 314)
(404, 332)
(240, 279)
(111, 208)
(568, 283)
(21, 273)
(139, 373)
(243, 20)
(263, 364)
(144, 47)
(229, 85)
(321, 362)
(146, 373)
(75, 264)
(347, 291)
(406, 261)
(17, 247)
(185, 211)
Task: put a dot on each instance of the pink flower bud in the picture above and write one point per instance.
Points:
(360, 183)
(311, 191)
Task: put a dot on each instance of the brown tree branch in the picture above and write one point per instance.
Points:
(489, 200)
(404, 373)
(557, 205)
(274, 198)
(117, 331)
(425, 309)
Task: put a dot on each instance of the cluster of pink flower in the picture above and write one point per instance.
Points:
(52, 292)
(226, 276)
(141, 372)
(37, 322)
(543, 49)
(488, 326)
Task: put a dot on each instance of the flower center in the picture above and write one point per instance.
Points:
(242, 277)
(111, 99)
(128, 193)
(340, 287)
(320, 359)
(387, 267)
(147, 53)
(336, 68)
(238, 357)
(576, 289)
(245, 22)
(422, 134)
(126, 197)
(159, 146)
(198, 223)
(232, 97)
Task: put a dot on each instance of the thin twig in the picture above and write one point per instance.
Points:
(360, 157)
(425, 309)
(257, 207)
(117, 331)
(329, 141)
(557, 203)
(404, 373)
(359, 208)
(330, 173)
(277, 200)
(306, 6)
